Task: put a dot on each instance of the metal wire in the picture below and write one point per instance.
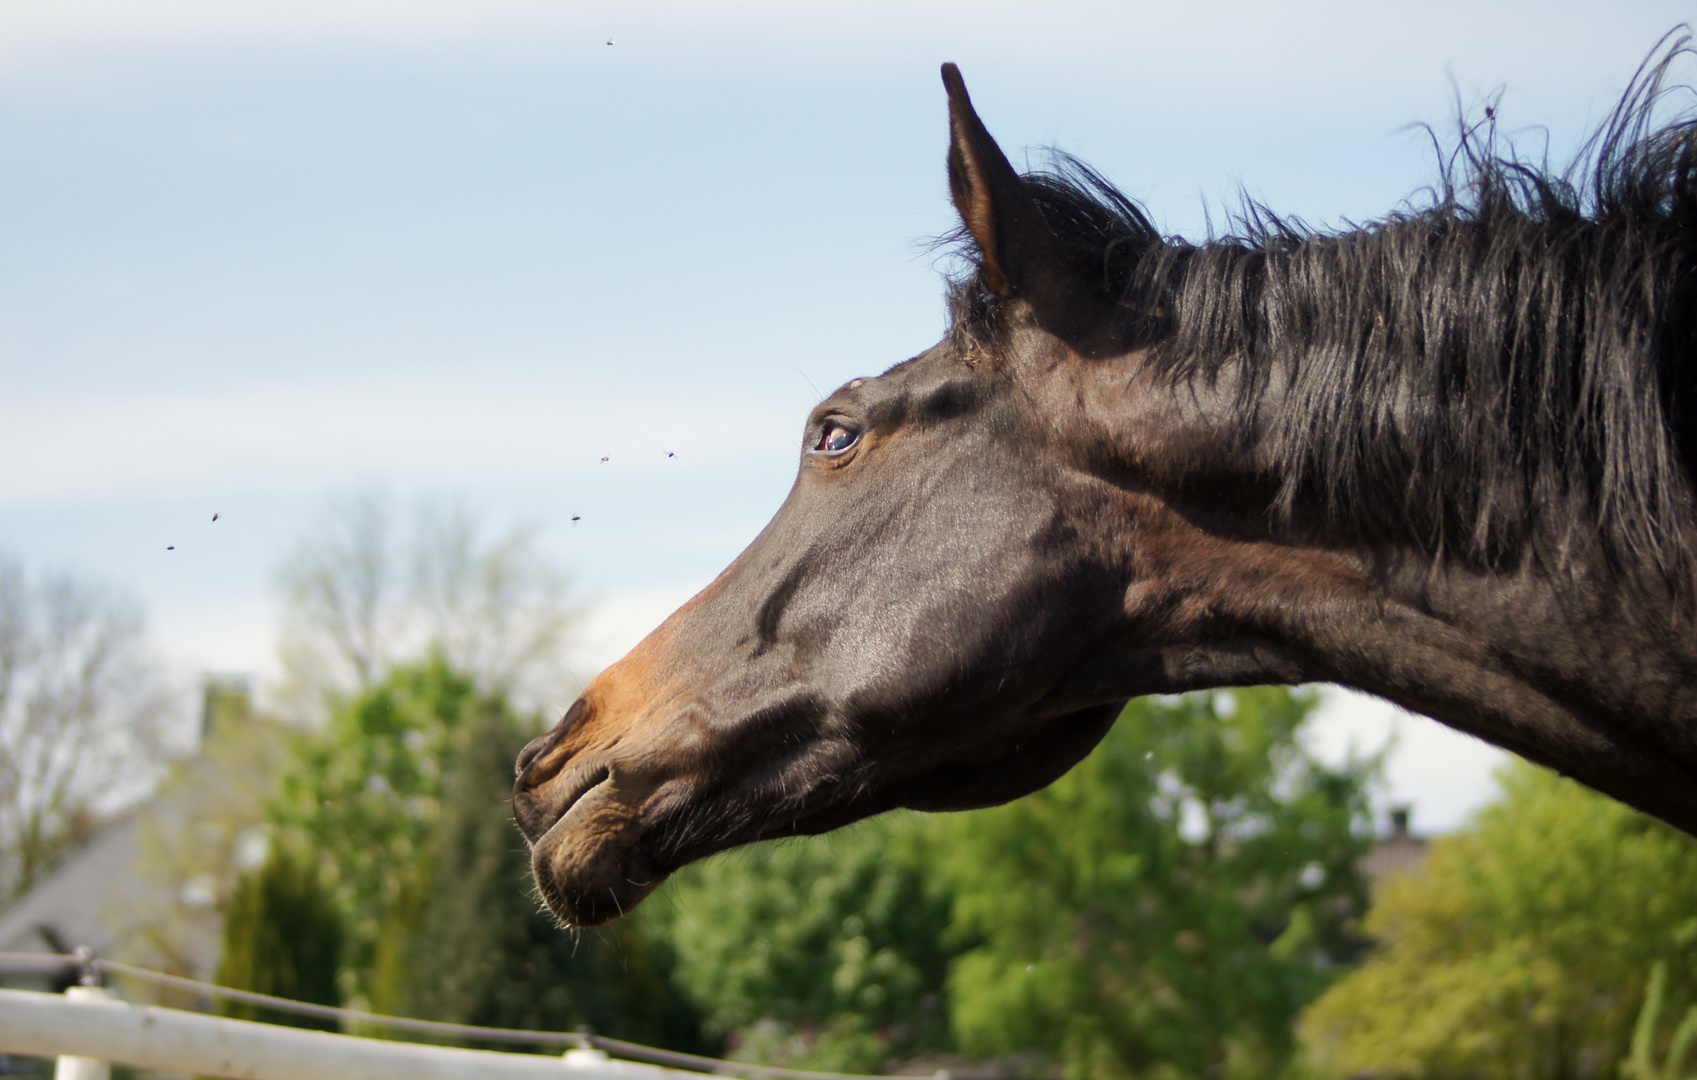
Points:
(91, 966)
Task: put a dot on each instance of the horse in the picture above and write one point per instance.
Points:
(1445, 458)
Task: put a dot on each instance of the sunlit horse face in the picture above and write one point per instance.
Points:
(893, 638)
(918, 626)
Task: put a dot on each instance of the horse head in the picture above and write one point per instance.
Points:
(922, 624)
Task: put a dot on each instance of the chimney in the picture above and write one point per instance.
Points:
(226, 699)
(1399, 822)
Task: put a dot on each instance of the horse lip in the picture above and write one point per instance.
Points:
(595, 780)
(589, 864)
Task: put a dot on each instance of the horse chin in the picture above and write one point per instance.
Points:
(589, 866)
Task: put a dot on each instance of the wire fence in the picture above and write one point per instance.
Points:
(91, 970)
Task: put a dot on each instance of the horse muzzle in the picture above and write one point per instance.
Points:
(582, 815)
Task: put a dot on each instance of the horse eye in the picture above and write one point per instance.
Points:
(835, 437)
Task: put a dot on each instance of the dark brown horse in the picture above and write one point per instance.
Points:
(1446, 458)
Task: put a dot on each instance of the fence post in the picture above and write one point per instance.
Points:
(81, 1068)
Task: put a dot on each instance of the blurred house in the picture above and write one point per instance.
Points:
(1400, 852)
(76, 905)
(148, 886)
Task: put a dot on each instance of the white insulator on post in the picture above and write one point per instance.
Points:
(83, 1068)
(597, 1065)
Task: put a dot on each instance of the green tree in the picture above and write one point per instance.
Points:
(282, 937)
(1641, 1063)
(1168, 907)
(1522, 948)
(471, 945)
(822, 952)
(364, 793)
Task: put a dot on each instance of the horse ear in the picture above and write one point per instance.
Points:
(1016, 242)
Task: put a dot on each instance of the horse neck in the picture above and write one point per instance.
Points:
(1549, 658)
(1217, 446)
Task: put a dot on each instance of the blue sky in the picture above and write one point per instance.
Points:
(256, 255)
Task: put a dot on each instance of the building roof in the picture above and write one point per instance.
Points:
(68, 907)
(145, 889)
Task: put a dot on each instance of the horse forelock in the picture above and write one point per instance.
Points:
(1505, 369)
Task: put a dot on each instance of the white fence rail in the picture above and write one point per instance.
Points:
(97, 1029)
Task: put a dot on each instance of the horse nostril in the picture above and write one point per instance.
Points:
(542, 743)
(528, 754)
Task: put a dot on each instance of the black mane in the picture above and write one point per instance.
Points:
(1502, 373)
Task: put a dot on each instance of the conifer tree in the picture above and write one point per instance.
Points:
(282, 936)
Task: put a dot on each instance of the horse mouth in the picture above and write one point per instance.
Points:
(551, 816)
(606, 827)
(589, 863)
